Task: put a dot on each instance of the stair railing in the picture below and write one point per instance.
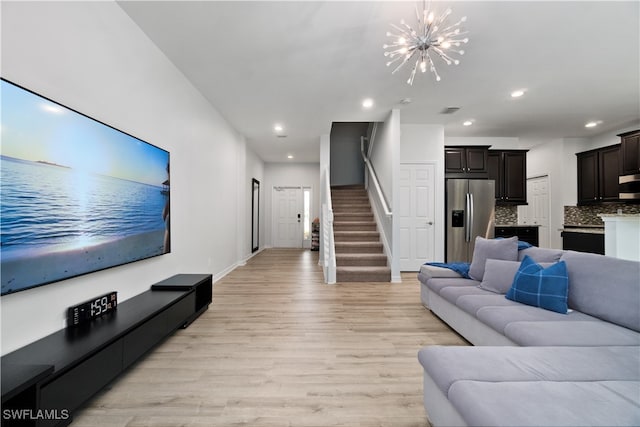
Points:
(373, 177)
(328, 243)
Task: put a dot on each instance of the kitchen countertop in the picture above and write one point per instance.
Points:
(588, 230)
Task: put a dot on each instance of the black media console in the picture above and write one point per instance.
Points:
(44, 382)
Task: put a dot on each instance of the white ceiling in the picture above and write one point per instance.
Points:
(306, 64)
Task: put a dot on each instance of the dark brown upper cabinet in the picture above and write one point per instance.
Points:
(598, 172)
(508, 168)
(630, 153)
(465, 162)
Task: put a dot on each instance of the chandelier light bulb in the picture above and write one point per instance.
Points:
(431, 38)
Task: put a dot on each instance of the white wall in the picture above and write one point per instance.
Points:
(91, 57)
(385, 159)
(292, 175)
(495, 143)
(422, 144)
(608, 138)
(347, 166)
(549, 159)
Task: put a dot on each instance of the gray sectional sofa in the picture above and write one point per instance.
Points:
(530, 366)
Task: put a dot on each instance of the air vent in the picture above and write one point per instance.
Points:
(281, 136)
(450, 110)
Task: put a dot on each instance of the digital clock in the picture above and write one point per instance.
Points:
(89, 310)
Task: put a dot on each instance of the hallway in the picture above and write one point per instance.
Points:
(278, 347)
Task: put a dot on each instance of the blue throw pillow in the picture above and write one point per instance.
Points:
(535, 285)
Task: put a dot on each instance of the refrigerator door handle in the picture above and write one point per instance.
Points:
(467, 222)
(471, 219)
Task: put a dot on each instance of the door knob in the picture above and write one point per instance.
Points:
(430, 222)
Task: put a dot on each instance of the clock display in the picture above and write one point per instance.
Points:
(89, 310)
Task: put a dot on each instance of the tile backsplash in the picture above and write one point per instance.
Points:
(588, 215)
(506, 215)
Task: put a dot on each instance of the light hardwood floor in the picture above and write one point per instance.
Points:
(278, 347)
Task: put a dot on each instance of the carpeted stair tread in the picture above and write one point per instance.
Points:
(354, 226)
(361, 260)
(363, 274)
(358, 247)
(355, 236)
(351, 208)
(341, 217)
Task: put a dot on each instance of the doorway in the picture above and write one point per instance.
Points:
(416, 213)
(291, 217)
(537, 211)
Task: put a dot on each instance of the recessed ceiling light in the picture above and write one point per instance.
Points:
(367, 103)
(592, 124)
(278, 127)
(289, 156)
(517, 93)
(467, 123)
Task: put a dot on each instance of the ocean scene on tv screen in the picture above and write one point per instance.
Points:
(76, 196)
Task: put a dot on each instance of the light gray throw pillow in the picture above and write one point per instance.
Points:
(499, 274)
(504, 249)
(541, 254)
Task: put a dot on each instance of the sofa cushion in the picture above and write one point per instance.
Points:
(436, 284)
(488, 363)
(541, 254)
(505, 249)
(547, 403)
(604, 287)
(472, 303)
(574, 333)
(535, 285)
(499, 317)
(452, 293)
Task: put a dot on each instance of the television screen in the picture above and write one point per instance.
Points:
(76, 195)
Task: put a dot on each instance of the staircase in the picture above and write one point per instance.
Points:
(359, 254)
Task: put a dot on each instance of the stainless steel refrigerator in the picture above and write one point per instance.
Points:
(470, 213)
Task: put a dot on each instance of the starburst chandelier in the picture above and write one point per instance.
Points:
(432, 35)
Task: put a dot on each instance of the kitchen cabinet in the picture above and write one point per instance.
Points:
(583, 242)
(525, 234)
(465, 162)
(630, 152)
(598, 172)
(508, 168)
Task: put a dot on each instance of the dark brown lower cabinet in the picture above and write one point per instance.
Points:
(583, 242)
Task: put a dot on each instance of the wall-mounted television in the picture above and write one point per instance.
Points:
(76, 195)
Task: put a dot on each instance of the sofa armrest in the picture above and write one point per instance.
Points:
(430, 271)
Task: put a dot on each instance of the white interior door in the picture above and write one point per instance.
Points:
(287, 202)
(537, 211)
(416, 215)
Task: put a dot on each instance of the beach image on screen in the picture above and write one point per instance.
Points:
(76, 195)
